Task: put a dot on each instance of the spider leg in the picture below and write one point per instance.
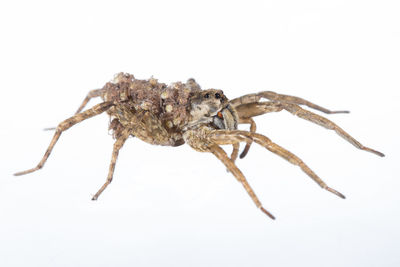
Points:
(117, 146)
(235, 151)
(249, 110)
(251, 98)
(65, 125)
(230, 165)
(324, 122)
(223, 137)
(90, 95)
(297, 100)
(255, 109)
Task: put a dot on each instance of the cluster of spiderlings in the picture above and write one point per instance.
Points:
(169, 103)
(175, 103)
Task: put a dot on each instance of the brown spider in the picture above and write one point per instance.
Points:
(205, 119)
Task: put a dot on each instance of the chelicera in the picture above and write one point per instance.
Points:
(172, 115)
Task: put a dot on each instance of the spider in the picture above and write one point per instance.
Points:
(204, 119)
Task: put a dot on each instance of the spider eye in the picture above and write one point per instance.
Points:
(217, 95)
(207, 95)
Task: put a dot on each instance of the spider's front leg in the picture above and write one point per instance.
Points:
(248, 106)
(205, 139)
(224, 137)
(200, 140)
(254, 98)
(246, 111)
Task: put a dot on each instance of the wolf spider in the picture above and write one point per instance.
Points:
(205, 119)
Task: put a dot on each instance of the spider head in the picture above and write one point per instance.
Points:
(212, 107)
(207, 103)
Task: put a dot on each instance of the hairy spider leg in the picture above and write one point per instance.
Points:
(65, 125)
(248, 106)
(259, 108)
(223, 137)
(251, 98)
(247, 111)
(117, 146)
(324, 122)
(235, 151)
(230, 165)
(90, 95)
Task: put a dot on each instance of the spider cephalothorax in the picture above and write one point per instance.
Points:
(204, 119)
(211, 107)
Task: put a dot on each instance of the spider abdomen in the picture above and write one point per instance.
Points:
(155, 112)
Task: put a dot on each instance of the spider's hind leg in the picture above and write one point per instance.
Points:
(117, 146)
(65, 125)
(92, 94)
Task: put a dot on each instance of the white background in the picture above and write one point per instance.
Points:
(177, 207)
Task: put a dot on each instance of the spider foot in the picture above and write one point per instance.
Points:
(380, 154)
(26, 171)
(334, 191)
(268, 213)
(245, 150)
